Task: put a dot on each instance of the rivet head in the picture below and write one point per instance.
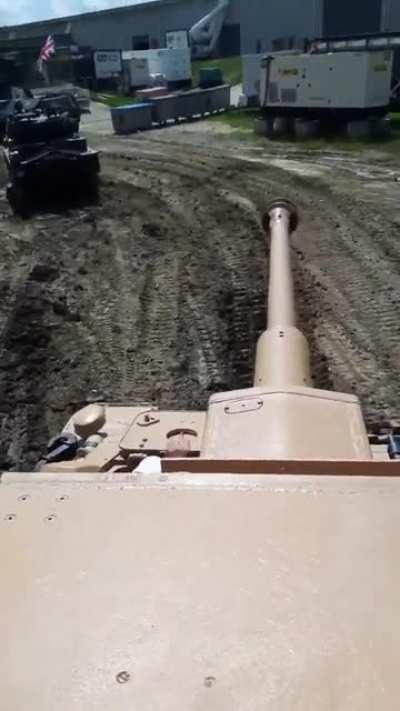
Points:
(10, 517)
(24, 497)
(123, 677)
(50, 518)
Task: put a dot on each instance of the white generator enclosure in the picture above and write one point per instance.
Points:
(173, 64)
(177, 39)
(136, 72)
(251, 71)
(339, 81)
(107, 63)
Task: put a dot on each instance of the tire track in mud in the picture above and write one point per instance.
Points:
(158, 293)
(212, 236)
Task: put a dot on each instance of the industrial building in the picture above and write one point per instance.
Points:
(250, 25)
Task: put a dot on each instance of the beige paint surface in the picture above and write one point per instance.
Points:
(280, 595)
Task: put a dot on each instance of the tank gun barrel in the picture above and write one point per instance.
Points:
(279, 222)
(282, 353)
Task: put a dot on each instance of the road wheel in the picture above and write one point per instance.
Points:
(18, 199)
(91, 186)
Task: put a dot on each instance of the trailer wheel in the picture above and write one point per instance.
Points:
(380, 127)
(264, 127)
(305, 129)
(281, 126)
(359, 129)
(92, 186)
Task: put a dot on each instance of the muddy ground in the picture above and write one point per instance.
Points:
(157, 294)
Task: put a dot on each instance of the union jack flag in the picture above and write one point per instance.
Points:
(48, 50)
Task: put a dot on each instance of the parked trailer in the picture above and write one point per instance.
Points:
(131, 118)
(218, 98)
(342, 89)
(172, 107)
(191, 103)
(163, 108)
(203, 101)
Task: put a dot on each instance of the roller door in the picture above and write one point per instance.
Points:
(351, 17)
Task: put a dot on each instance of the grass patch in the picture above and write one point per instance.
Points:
(241, 121)
(113, 100)
(231, 68)
(395, 121)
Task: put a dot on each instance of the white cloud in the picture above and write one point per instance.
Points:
(66, 7)
(16, 11)
(29, 10)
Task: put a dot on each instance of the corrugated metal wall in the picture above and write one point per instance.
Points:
(263, 21)
(115, 29)
(347, 17)
(229, 41)
(391, 16)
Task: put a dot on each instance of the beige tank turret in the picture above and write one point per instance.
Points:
(282, 416)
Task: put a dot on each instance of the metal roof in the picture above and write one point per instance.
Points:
(71, 18)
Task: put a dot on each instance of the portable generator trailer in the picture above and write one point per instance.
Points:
(301, 91)
(373, 42)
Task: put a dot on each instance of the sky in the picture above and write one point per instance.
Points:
(15, 11)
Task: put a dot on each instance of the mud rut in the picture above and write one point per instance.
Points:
(157, 294)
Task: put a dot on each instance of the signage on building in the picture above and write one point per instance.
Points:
(177, 39)
(107, 63)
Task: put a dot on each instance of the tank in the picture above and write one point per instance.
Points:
(45, 156)
(242, 557)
